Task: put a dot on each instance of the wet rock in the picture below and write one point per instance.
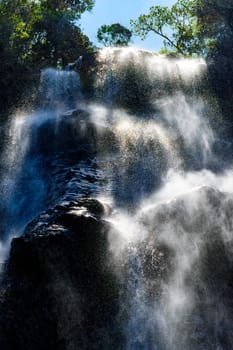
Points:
(59, 290)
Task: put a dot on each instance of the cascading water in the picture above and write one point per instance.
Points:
(146, 142)
(39, 152)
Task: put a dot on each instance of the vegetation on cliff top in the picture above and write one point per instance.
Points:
(35, 34)
(40, 33)
(189, 27)
(114, 35)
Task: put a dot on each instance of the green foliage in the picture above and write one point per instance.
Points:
(178, 26)
(215, 12)
(38, 33)
(17, 18)
(72, 9)
(33, 26)
(189, 27)
(215, 19)
(114, 35)
(57, 39)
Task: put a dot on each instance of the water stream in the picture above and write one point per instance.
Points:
(148, 142)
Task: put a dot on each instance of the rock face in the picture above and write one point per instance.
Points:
(59, 292)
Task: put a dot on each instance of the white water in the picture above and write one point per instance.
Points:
(162, 314)
(155, 162)
(23, 159)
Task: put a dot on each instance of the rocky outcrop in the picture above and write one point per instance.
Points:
(59, 291)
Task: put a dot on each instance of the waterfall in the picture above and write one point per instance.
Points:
(145, 138)
(32, 143)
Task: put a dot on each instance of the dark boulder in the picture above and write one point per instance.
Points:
(58, 290)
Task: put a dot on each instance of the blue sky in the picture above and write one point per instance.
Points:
(121, 11)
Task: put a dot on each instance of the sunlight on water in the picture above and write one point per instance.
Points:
(60, 89)
(185, 119)
(148, 129)
(19, 142)
(179, 214)
(157, 65)
(22, 164)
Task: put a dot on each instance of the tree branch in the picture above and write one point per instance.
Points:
(167, 39)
